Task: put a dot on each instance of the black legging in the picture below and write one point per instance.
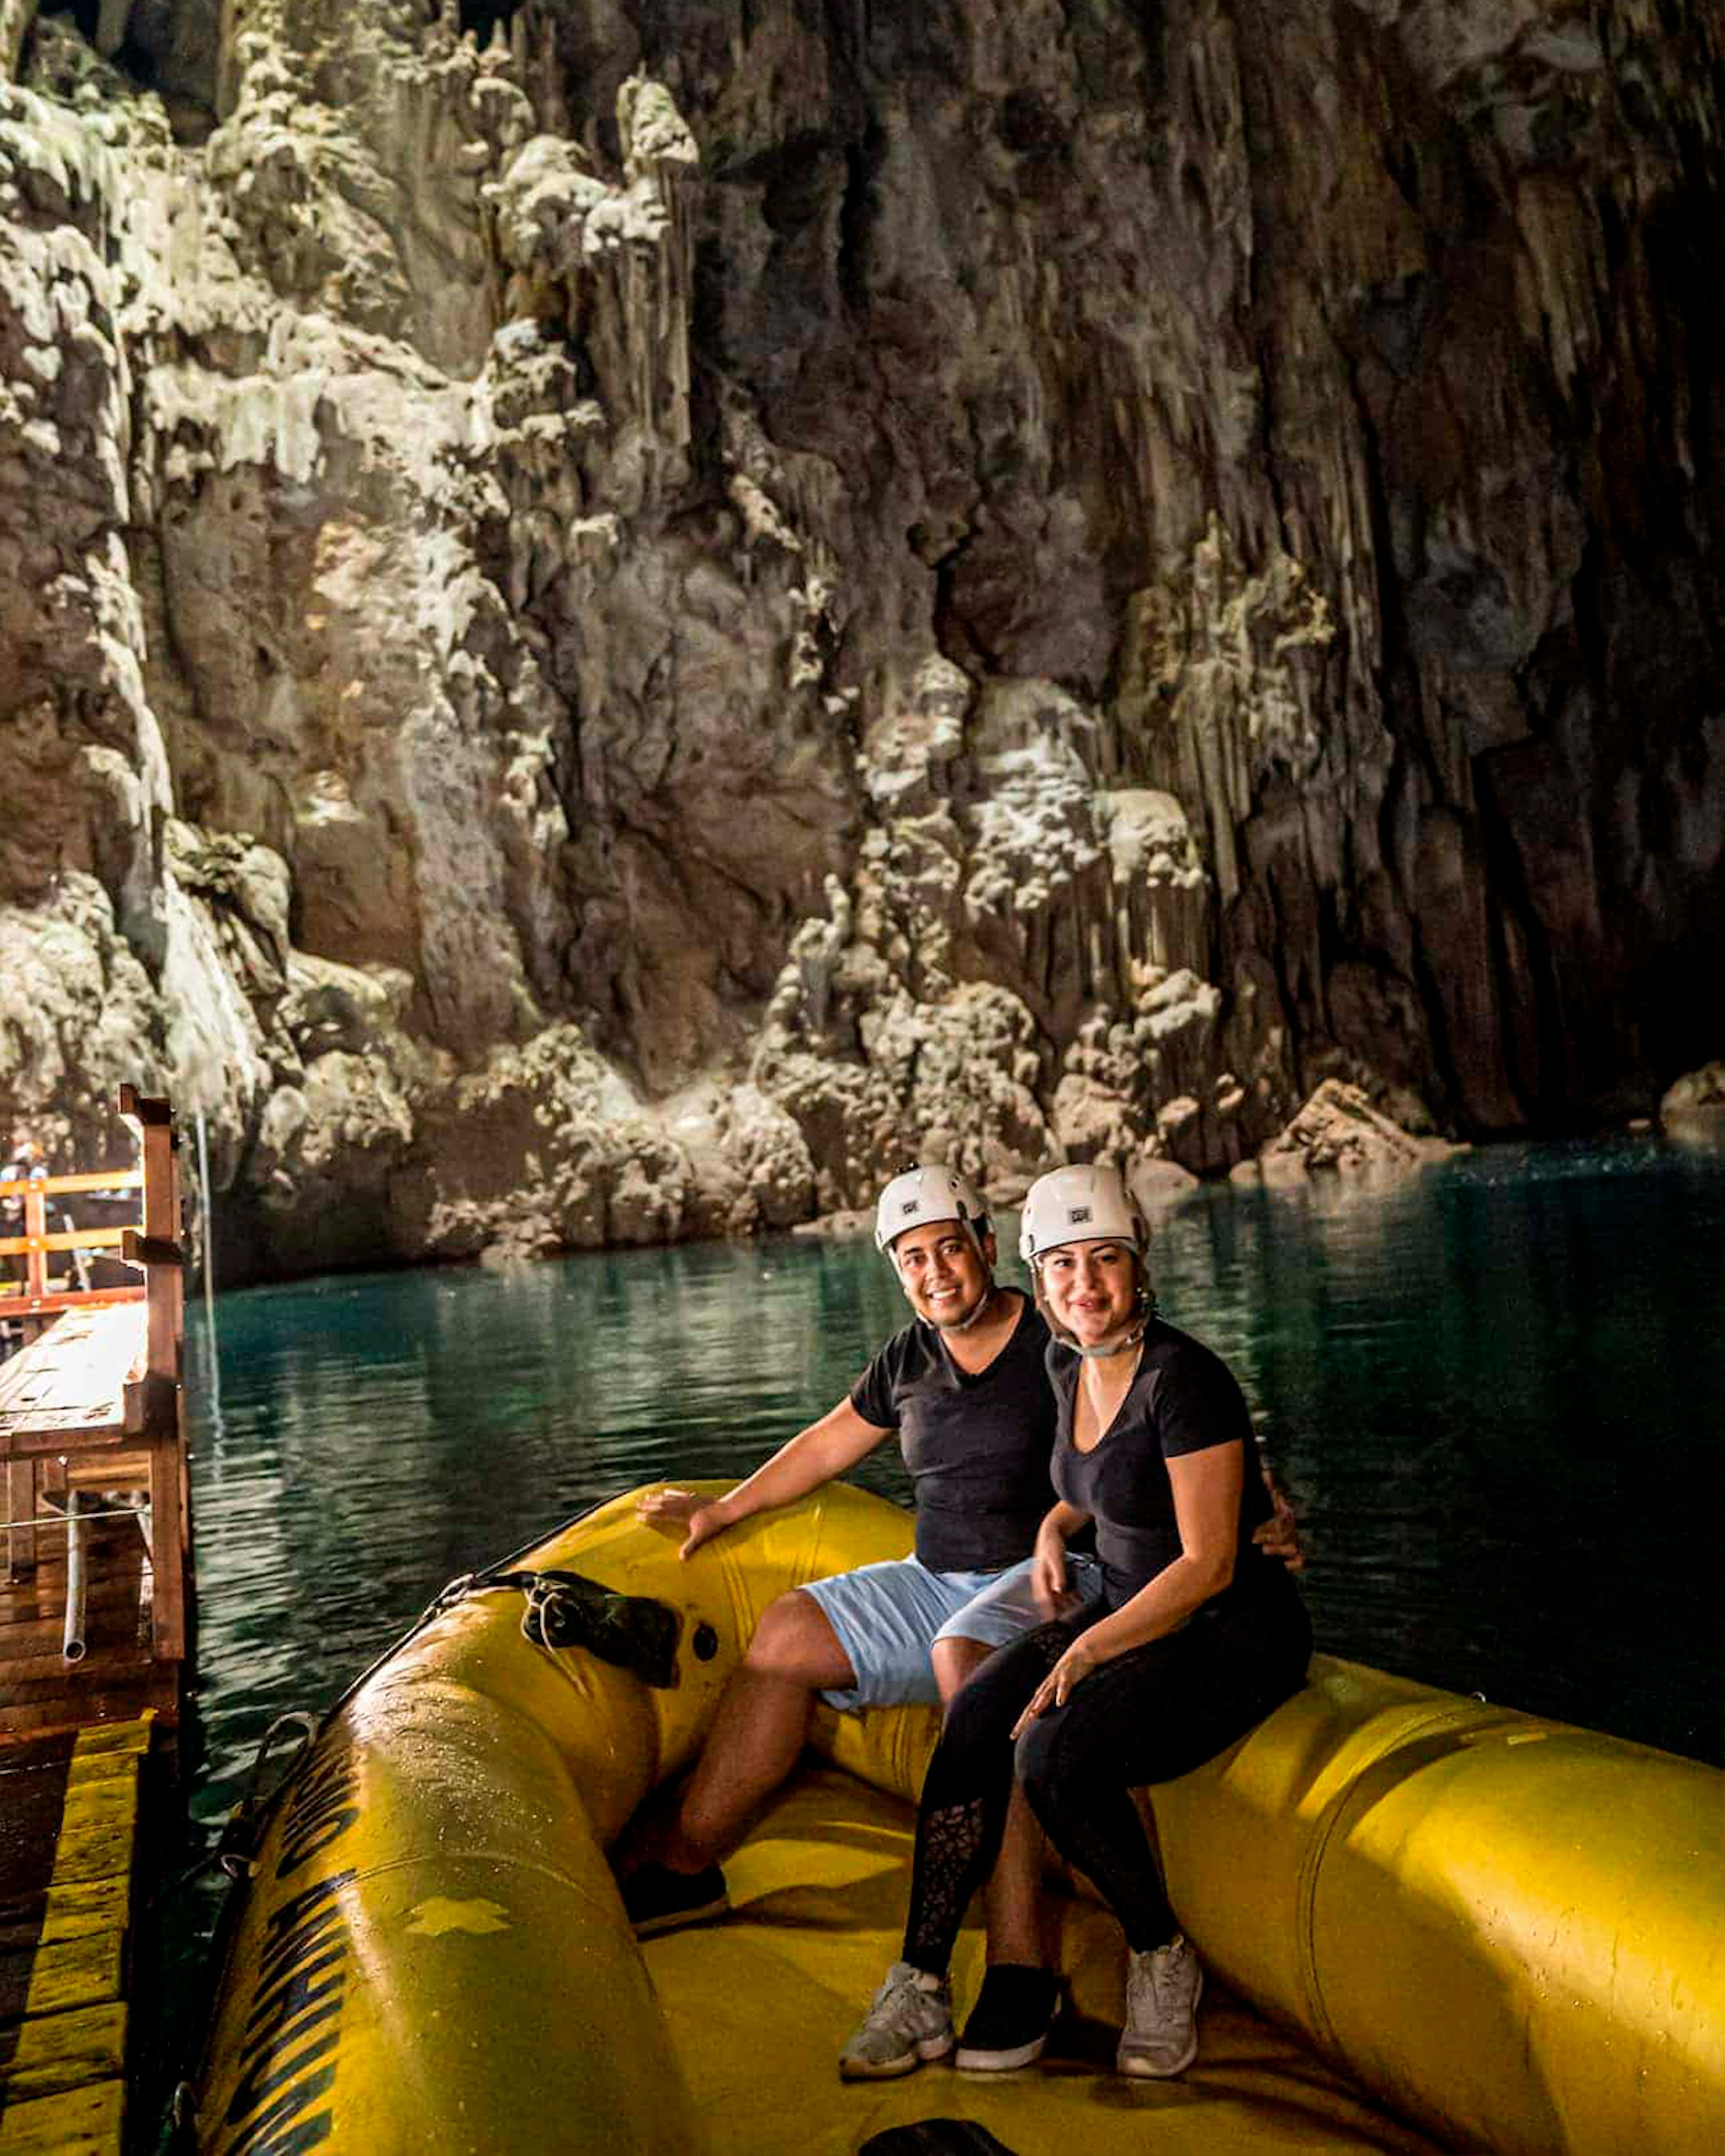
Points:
(1148, 1716)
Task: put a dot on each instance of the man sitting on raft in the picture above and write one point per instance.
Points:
(1195, 1637)
(963, 1385)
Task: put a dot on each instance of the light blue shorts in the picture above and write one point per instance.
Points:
(888, 1616)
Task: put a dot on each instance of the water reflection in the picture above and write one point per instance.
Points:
(1493, 1393)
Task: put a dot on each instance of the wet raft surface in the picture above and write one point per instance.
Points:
(761, 2003)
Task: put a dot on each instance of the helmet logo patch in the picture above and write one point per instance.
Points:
(1077, 1216)
(909, 1206)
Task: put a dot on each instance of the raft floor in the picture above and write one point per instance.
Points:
(761, 2003)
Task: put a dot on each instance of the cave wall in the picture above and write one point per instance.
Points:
(614, 615)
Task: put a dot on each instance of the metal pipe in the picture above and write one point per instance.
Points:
(205, 1199)
(75, 1646)
(209, 1210)
(50, 1522)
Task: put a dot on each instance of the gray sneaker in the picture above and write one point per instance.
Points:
(911, 2021)
(1162, 1994)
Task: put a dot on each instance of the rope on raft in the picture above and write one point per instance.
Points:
(635, 1632)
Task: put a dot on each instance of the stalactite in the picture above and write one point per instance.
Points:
(1288, 424)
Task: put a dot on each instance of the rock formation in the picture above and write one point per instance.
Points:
(1338, 1133)
(614, 616)
(1693, 1110)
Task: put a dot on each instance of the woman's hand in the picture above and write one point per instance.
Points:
(1057, 1687)
(703, 1517)
(1048, 1574)
(1279, 1536)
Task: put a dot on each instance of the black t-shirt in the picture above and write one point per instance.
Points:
(1183, 1399)
(977, 1448)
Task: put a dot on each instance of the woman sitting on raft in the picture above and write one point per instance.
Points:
(1196, 1636)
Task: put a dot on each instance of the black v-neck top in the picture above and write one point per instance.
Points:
(977, 1448)
(1183, 1399)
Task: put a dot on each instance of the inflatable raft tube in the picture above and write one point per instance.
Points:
(1465, 1927)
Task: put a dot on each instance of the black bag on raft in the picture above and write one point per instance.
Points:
(632, 1632)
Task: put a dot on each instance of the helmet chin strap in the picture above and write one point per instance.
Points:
(1117, 1343)
(963, 1324)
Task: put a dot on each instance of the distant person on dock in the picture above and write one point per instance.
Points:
(26, 1163)
(29, 1164)
(23, 1166)
(964, 1385)
(1195, 1636)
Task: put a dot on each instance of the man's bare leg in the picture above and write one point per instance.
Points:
(1012, 1898)
(757, 1732)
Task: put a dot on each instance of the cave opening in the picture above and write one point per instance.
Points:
(167, 46)
(482, 17)
(86, 15)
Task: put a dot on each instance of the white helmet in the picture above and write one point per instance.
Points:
(923, 1194)
(1079, 1205)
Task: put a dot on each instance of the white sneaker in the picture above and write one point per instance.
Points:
(911, 2021)
(1162, 1994)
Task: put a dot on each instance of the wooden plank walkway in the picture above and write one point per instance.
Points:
(73, 1430)
(121, 1674)
(68, 1814)
(72, 1383)
(93, 1487)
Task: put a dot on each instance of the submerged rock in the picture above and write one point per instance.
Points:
(844, 1226)
(1160, 1185)
(1338, 1133)
(1693, 1110)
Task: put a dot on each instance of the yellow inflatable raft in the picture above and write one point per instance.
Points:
(1438, 1923)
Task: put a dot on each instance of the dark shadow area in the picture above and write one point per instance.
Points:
(168, 46)
(482, 17)
(86, 15)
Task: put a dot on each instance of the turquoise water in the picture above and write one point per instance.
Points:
(1494, 1393)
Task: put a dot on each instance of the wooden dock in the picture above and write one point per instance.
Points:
(68, 1812)
(95, 1579)
(94, 1484)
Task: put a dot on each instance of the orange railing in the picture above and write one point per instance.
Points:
(43, 1293)
(50, 1423)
